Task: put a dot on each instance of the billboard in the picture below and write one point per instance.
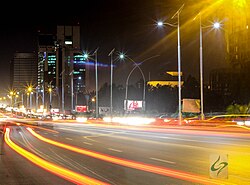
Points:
(81, 108)
(191, 105)
(54, 111)
(104, 110)
(133, 105)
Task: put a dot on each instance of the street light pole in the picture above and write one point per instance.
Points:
(111, 82)
(27, 100)
(201, 70)
(179, 61)
(37, 97)
(72, 89)
(50, 97)
(144, 80)
(30, 89)
(22, 99)
(11, 96)
(96, 84)
(62, 75)
(43, 92)
(216, 25)
(31, 93)
(179, 57)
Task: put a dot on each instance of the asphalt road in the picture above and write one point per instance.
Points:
(126, 155)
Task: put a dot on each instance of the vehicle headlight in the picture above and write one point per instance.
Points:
(81, 119)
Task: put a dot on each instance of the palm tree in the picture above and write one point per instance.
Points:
(238, 109)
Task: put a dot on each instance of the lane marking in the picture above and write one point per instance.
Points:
(69, 138)
(115, 150)
(162, 160)
(87, 138)
(87, 143)
(55, 135)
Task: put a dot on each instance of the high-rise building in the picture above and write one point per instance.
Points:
(23, 70)
(61, 68)
(46, 66)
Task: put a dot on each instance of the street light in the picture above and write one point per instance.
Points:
(92, 102)
(16, 99)
(62, 75)
(30, 89)
(27, 100)
(111, 82)
(137, 65)
(50, 97)
(11, 98)
(86, 56)
(179, 56)
(72, 89)
(37, 91)
(96, 84)
(31, 98)
(122, 56)
(216, 25)
(43, 93)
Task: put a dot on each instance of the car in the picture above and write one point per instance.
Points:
(47, 118)
(69, 117)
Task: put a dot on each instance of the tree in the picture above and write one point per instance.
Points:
(238, 109)
(191, 88)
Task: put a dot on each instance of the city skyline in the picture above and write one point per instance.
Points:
(129, 28)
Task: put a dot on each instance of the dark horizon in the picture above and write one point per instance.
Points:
(128, 27)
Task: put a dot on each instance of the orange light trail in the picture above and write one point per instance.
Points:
(133, 164)
(53, 168)
(239, 126)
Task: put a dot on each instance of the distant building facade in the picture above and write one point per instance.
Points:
(23, 73)
(62, 67)
(233, 83)
(23, 70)
(237, 33)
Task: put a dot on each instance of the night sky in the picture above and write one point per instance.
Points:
(128, 26)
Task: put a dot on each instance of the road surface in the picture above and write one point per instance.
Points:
(121, 155)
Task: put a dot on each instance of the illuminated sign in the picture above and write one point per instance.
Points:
(81, 108)
(54, 110)
(134, 105)
(68, 42)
